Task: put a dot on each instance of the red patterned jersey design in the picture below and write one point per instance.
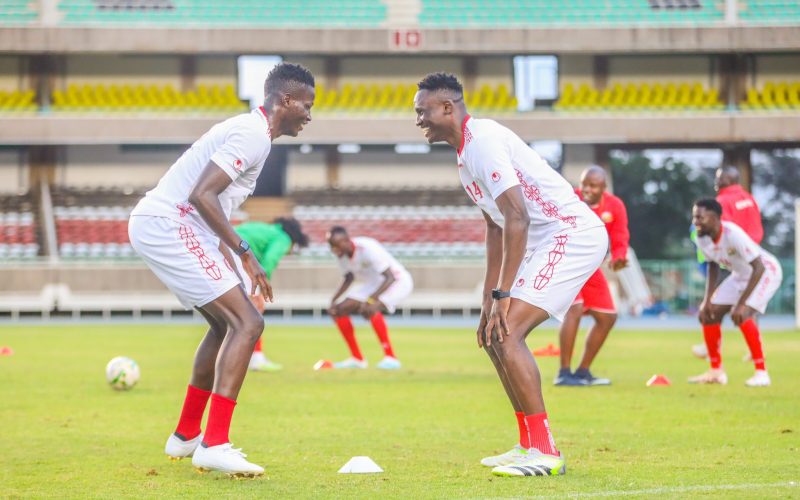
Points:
(553, 258)
(193, 245)
(549, 209)
(184, 209)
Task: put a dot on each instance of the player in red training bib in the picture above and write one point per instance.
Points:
(595, 297)
(755, 277)
(542, 244)
(182, 231)
(382, 283)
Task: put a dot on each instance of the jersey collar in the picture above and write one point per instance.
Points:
(719, 236)
(266, 120)
(463, 133)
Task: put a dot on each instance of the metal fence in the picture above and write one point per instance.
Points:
(678, 287)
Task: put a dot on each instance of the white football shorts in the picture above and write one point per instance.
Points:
(730, 290)
(552, 274)
(391, 297)
(184, 257)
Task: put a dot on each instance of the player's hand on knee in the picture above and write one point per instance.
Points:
(498, 319)
(482, 326)
(739, 314)
(258, 276)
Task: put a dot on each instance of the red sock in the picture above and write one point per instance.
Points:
(524, 439)
(192, 413)
(258, 345)
(539, 434)
(349, 334)
(753, 338)
(379, 324)
(219, 420)
(713, 336)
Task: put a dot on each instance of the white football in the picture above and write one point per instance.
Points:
(122, 373)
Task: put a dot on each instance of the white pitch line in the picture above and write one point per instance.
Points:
(673, 489)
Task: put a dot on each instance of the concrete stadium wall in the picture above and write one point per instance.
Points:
(120, 70)
(575, 69)
(13, 171)
(97, 166)
(660, 69)
(775, 68)
(216, 70)
(12, 73)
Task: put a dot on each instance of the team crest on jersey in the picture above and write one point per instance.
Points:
(731, 251)
(607, 217)
(496, 176)
(238, 166)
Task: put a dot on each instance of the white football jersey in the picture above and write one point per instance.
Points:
(735, 250)
(239, 146)
(370, 259)
(493, 159)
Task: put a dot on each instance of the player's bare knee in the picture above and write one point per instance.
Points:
(252, 327)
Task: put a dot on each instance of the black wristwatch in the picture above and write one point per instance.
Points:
(243, 247)
(498, 294)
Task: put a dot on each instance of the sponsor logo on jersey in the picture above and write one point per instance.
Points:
(520, 282)
(496, 176)
(238, 166)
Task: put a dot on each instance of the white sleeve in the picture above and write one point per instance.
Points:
(747, 248)
(378, 257)
(243, 149)
(490, 163)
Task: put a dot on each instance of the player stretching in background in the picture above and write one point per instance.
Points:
(383, 283)
(269, 243)
(739, 207)
(177, 229)
(595, 296)
(542, 244)
(754, 279)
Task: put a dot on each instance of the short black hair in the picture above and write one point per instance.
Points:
(284, 76)
(441, 81)
(292, 227)
(710, 204)
(333, 231)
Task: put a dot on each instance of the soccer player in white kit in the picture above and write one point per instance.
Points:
(542, 244)
(755, 277)
(181, 229)
(382, 284)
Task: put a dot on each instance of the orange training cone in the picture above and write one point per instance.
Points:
(658, 380)
(323, 364)
(550, 350)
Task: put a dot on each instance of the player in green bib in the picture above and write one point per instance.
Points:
(269, 243)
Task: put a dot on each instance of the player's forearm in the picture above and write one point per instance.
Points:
(388, 280)
(711, 279)
(494, 257)
(342, 288)
(210, 209)
(755, 277)
(515, 241)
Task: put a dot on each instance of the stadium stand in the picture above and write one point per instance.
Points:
(643, 97)
(206, 98)
(18, 231)
(272, 13)
(505, 13)
(18, 12)
(369, 98)
(774, 95)
(17, 100)
(770, 11)
(412, 224)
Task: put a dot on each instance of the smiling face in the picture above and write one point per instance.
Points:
(296, 110)
(434, 115)
(592, 188)
(706, 221)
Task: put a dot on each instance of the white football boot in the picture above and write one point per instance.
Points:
(226, 459)
(389, 363)
(712, 376)
(351, 363)
(760, 379)
(176, 448)
(514, 455)
(537, 464)
(260, 363)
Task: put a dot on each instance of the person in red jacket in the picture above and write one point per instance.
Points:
(595, 297)
(739, 207)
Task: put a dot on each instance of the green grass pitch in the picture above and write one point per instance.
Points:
(65, 434)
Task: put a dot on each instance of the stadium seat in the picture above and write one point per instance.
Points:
(16, 101)
(262, 13)
(18, 229)
(154, 98)
(644, 97)
(773, 96)
(18, 12)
